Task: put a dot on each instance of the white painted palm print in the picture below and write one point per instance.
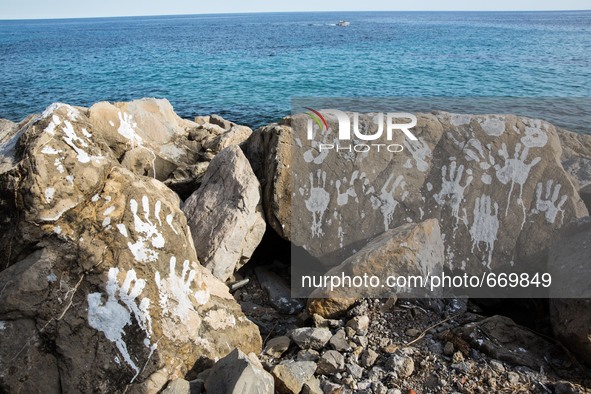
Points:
(453, 187)
(485, 226)
(317, 201)
(550, 202)
(147, 228)
(386, 200)
(113, 315)
(175, 291)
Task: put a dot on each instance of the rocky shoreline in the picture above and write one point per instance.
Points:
(146, 253)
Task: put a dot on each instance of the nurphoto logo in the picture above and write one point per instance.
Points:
(361, 138)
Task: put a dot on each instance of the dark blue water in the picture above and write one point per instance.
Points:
(247, 67)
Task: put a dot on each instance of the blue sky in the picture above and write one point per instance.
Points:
(20, 9)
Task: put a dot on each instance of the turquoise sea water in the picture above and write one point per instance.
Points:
(248, 67)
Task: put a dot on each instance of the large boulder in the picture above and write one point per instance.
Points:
(408, 250)
(569, 262)
(495, 183)
(225, 214)
(269, 153)
(101, 286)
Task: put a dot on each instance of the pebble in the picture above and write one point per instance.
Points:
(404, 366)
(412, 332)
(497, 366)
(339, 341)
(307, 355)
(448, 349)
(354, 370)
(321, 322)
(368, 358)
(458, 357)
(330, 363)
(277, 346)
(512, 377)
(331, 388)
(360, 324)
(311, 338)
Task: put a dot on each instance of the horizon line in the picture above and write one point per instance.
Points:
(273, 12)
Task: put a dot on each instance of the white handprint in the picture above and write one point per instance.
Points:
(386, 201)
(474, 151)
(126, 129)
(534, 137)
(111, 317)
(317, 202)
(515, 170)
(453, 188)
(356, 180)
(420, 151)
(175, 292)
(149, 235)
(485, 226)
(549, 204)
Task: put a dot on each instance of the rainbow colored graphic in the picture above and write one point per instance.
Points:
(318, 118)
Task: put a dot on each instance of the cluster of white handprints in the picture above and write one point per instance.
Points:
(509, 165)
(177, 294)
(318, 198)
(77, 140)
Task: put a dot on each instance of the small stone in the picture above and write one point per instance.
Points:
(349, 382)
(497, 366)
(412, 332)
(331, 363)
(390, 349)
(339, 341)
(238, 372)
(321, 322)
(565, 388)
(354, 370)
(178, 386)
(331, 388)
(376, 374)
(350, 332)
(312, 386)
(308, 355)
(458, 357)
(360, 324)
(290, 376)
(362, 341)
(277, 346)
(464, 367)
(404, 366)
(379, 388)
(363, 386)
(368, 358)
(512, 377)
(311, 338)
(448, 349)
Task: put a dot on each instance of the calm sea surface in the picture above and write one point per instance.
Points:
(247, 67)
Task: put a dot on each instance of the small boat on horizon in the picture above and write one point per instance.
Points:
(343, 23)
